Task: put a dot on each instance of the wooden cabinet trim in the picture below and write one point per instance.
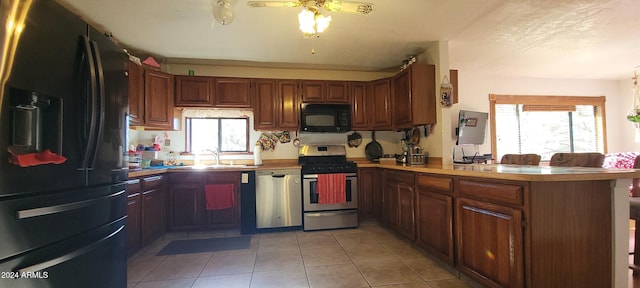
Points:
(501, 192)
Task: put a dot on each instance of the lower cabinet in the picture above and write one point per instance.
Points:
(434, 216)
(187, 208)
(369, 193)
(146, 211)
(398, 202)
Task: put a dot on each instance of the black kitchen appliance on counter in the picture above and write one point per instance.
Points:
(63, 124)
(319, 160)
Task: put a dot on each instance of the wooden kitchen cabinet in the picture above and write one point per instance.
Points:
(369, 193)
(265, 96)
(232, 92)
(134, 216)
(152, 208)
(434, 215)
(359, 99)
(288, 109)
(321, 91)
(150, 97)
(194, 91)
(136, 93)
(413, 96)
(494, 253)
(379, 107)
(158, 99)
(186, 201)
(398, 205)
(224, 218)
(276, 104)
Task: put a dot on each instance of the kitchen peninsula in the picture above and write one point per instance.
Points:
(505, 225)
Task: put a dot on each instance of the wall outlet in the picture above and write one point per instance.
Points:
(167, 142)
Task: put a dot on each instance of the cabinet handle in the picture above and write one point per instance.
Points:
(152, 178)
(28, 213)
(487, 212)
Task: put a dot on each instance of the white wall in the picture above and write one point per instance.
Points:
(475, 88)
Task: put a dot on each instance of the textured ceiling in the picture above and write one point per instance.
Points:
(598, 39)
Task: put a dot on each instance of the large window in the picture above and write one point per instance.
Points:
(225, 134)
(546, 125)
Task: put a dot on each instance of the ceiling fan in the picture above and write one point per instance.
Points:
(311, 21)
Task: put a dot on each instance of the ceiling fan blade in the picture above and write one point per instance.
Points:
(348, 6)
(273, 3)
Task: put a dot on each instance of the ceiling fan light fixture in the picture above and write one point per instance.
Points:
(223, 11)
(311, 22)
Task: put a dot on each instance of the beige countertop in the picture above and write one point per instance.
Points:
(495, 171)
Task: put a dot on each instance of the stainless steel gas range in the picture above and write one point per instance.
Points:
(329, 187)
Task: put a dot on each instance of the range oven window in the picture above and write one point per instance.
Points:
(310, 194)
(313, 192)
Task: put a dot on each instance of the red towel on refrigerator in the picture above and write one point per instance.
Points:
(219, 196)
(332, 188)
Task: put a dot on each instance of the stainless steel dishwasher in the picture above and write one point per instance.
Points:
(278, 198)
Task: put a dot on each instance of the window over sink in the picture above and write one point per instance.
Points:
(227, 135)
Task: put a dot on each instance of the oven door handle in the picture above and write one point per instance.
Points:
(330, 213)
(315, 176)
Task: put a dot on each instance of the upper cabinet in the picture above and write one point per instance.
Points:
(359, 107)
(194, 91)
(379, 108)
(276, 105)
(150, 97)
(232, 92)
(219, 92)
(324, 91)
(414, 96)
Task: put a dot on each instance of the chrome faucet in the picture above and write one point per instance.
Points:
(216, 153)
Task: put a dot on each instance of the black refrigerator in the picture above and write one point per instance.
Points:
(63, 125)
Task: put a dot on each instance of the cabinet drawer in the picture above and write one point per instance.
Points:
(436, 183)
(133, 186)
(398, 176)
(505, 193)
(191, 177)
(223, 177)
(152, 182)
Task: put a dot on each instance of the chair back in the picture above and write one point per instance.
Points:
(587, 159)
(520, 159)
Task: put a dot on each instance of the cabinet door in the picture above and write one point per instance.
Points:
(185, 202)
(232, 92)
(224, 218)
(359, 117)
(136, 93)
(390, 204)
(265, 104)
(381, 105)
(434, 223)
(490, 246)
(288, 105)
(158, 99)
(369, 196)
(337, 92)
(134, 222)
(406, 218)
(313, 91)
(401, 95)
(193, 91)
(151, 215)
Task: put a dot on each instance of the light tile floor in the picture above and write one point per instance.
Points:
(369, 256)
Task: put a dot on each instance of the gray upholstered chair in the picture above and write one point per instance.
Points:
(520, 159)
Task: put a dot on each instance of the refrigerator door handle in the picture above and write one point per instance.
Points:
(41, 211)
(68, 256)
(99, 78)
(88, 137)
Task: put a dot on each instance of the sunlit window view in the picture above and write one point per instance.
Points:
(530, 129)
(222, 134)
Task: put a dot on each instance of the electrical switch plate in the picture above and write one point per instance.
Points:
(167, 142)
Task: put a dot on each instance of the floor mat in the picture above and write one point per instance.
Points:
(205, 245)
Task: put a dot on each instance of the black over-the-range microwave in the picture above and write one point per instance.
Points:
(328, 118)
